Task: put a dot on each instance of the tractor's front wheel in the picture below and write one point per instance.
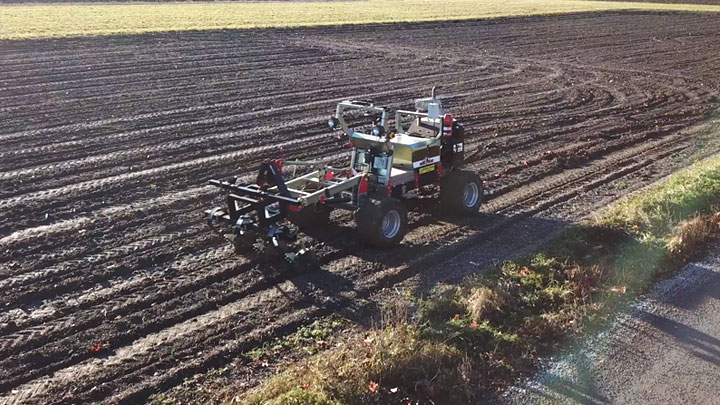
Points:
(381, 222)
(461, 192)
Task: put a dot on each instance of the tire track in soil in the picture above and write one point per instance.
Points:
(247, 133)
(85, 81)
(18, 199)
(579, 163)
(127, 217)
(221, 134)
(45, 316)
(171, 117)
(43, 323)
(170, 126)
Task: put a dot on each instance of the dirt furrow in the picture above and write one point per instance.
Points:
(538, 199)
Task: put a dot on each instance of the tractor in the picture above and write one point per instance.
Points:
(388, 164)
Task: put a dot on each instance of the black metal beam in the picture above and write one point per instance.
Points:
(254, 192)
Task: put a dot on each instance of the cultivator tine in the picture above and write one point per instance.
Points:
(303, 260)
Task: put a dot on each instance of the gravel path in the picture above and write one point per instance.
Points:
(664, 350)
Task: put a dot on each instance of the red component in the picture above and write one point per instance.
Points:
(447, 125)
(417, 179)
(439, 169)
(294, 208)
(328, 176)
(389, 189)
(279, 163)
(363, 187)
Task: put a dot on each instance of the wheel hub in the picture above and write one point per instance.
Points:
(391, 224)
(471, 194)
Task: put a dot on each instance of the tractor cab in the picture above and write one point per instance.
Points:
(412, 152)
(418, 134)
(430, 125)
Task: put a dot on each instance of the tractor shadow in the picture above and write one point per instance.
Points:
(490, 240)
(351, 271)
(474, 244)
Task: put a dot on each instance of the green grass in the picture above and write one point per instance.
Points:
(306, 340)
(657, 210)
(59, 20)
(367, 369)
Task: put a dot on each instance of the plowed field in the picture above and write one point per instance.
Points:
(112, 288)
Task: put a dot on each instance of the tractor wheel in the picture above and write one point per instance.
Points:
(381, 222)
(461, 192)
(313, 216)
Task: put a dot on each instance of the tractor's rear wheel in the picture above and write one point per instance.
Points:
(381, 222)
(461, 192)
(310, 217)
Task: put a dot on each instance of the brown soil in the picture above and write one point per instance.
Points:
(111, 286)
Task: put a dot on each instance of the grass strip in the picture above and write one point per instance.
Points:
(23, 21)
(482, 334)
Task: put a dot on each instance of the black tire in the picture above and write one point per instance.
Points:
(381, 222)
(461, 192)
(311, 217)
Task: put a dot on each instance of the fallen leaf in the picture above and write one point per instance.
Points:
(618, 289)
(373, 386)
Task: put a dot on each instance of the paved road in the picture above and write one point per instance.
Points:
(664, 350)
